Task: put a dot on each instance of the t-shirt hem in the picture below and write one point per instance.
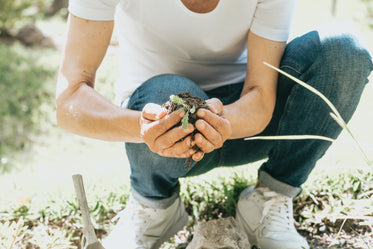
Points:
(270, 33)
(92, 14)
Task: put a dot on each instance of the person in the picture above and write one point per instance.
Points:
(215, 49)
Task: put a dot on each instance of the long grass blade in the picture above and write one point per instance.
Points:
(344, 126)
(14, 240)
(290, 137)
(337, 120)
(337, 116)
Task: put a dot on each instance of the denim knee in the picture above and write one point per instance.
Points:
(340, 47)
(351, 64)
(346, 47)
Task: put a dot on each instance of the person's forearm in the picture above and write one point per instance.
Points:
(85, 112)
(249, 115)
(80, 109)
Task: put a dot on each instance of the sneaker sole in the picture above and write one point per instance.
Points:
(172, 230)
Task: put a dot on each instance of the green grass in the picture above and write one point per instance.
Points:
(25, 96)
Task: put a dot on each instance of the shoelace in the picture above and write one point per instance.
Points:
(276, 209)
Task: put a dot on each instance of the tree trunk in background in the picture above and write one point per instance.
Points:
(56, 6)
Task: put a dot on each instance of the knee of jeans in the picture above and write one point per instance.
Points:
(347, 50)
(163, 81)
(158, 90)
(349, 65)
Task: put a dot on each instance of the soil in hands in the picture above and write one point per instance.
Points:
(190, 104)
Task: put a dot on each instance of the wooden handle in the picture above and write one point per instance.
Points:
(88, 229)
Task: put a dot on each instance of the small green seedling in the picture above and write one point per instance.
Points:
(184, 106)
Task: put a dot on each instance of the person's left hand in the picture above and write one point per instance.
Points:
(213, 128)
(158, 131)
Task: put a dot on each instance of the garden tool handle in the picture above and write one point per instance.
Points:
(88, 229)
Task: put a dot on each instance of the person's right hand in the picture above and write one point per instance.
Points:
(159, 133)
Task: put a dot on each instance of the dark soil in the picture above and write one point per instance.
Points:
(191, 101)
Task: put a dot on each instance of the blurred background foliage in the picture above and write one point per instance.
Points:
(18, 12)
(26, 82)
(369, 7)
(15, 11)
(23, 93)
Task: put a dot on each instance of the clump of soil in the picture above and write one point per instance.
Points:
(190, 104)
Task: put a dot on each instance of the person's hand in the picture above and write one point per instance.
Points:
(213, 128)
(158, 133)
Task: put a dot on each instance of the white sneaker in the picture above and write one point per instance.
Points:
(141, 227)
(267, 219)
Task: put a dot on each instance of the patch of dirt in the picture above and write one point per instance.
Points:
(190, 104)
(344, 232)
(352, 233)
(316, 241)
(344, 240)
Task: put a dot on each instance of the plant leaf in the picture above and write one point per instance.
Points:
(184, 121)
(193, 109)
(179, 101)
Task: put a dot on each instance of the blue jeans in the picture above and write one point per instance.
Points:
(337, 65)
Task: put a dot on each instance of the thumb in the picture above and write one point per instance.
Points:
(215, 105)
(153, 112)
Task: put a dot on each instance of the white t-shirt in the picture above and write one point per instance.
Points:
(163, 36)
